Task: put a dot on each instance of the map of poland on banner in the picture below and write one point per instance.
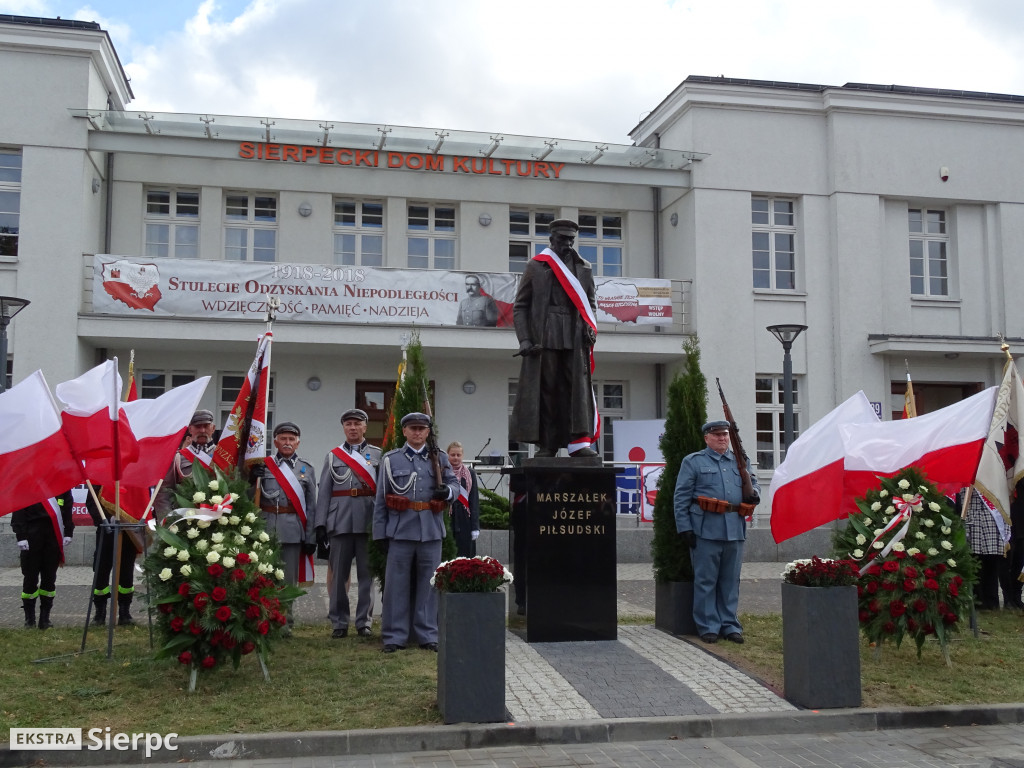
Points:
(136, 285)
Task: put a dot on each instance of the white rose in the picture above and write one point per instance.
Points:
(929, 523)
(264, 536)
(165, 574)
(173, 529)
(857, 554)
(213, 485)
(951, 563)
(903, 484)
(876, 506)
(890, 510)
(913, 551)
(222, 520)
(883, 493)
(239, 540)
(946, 530)
(228, 562)
(192, 533)
(234, 497)
(898, 547)
(198, 497)
(878, 531)
(920, 535)
(217, 548)
(234, 520)
(217, 538)
(934, 506)
(932, 551)
(203, 524)
(183, 555)
(278, 574)
(254, 557)
(170, 552)
(250, 517)
(945, 545)
(264, 568)
(245, 530)
(216, 499)
(861, 539)
(202, 545)
(186, 570)
(212, 557)
(878, 545)
(917, 507)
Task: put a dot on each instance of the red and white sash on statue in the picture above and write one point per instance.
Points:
(194, 455)
(292, 488)
(578, 297)
(358, 464)
(53, 510)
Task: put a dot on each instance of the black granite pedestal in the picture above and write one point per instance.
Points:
(564, 529)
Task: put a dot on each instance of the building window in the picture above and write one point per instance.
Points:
(172, 223)
(431, 236)
(250, 227)
(770, 419)
(10, 201)
(230, 386)
(152, 384)
(774, 243)
(528, 235)
(600, 242)
(358, 233)
(929, 245)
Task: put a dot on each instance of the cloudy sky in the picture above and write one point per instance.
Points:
(582, 69)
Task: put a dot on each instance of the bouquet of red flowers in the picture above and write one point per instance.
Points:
(816, 572)
(471, 574)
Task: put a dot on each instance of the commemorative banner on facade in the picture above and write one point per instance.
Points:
(200, 288)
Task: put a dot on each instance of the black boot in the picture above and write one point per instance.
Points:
(29, 606)
(45, 604)
(124, 618)
(100, 614)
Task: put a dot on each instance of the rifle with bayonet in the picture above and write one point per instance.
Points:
(737, 449)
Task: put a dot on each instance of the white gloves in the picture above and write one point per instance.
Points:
(23, 545)
(475, 535)
(67, 540)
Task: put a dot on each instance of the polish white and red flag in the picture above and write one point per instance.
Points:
(1002, 462)
(36, 461)
(945, 445)
(807, 487)
(244, 437)
(158, 426)
(93, 423)
(131, 501)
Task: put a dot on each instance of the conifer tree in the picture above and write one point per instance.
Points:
(687, 412)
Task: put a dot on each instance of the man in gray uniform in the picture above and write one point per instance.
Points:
(199, 448)
(710, 514)
(408, 521)
(344, 510)
(286, 490)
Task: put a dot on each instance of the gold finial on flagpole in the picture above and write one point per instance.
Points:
(1005, 347)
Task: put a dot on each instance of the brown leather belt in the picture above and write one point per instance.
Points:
(720, 507)
(276, 510)
(353, 492)
(398, 503)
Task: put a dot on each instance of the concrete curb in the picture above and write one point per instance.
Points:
(482, 736)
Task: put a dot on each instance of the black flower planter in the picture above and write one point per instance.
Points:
(673, 607)
(471, 657)
(821, 646)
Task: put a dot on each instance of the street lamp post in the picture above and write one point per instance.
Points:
(9, 307)
(787, 334)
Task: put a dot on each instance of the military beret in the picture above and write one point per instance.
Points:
(354, 413)
(287, 426)
(564, 227)
(416, 418)
(202, 416)
(714, 426)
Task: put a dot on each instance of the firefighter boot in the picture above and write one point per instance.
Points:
(45, 604)
(100, 614)
(124, 617)
(29, 606)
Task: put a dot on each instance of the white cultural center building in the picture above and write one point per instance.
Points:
(888, 220)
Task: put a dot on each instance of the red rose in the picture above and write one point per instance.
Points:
(920, 605)
(875, 570)
(958, 580)
(166, 608)
(949, 618)
(215, 638)
(228, 641)
(897, 608)
(920, 557)
(929, 573)
(889, 627)
(953, 589)
(254, 593)
(872, 587)
(865, 616)
(183, 589)
(909, 585)
(931, 584)
(280, 618)
(219, 593)
(242, 558)
(185, 657)
(890, 566)
(200, 601)
(215, 570)
(194, 628)
(910, 572)
(237, 574)
(248, 647)
(252, 612)
(873, 606)
(177, 624)
(940, 568)
(223, 613)
(208, 662)
(900, 555)
(263, 627)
